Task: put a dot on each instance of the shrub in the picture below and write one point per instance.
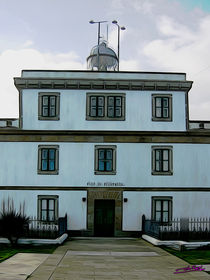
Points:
(12, 223)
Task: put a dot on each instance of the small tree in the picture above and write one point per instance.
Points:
(12, 223)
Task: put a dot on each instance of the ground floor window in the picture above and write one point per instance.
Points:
(162, 209)
(48, 208)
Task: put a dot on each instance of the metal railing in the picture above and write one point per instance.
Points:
(46, 229)
(178, 229)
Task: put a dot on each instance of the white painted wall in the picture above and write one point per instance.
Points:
(18, 165)
(184, 204)
(73, 112)
(69, 202)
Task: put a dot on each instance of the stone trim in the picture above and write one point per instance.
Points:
(187, 113)
(170, 210)
(20, 109)
(189, 133)
(104, 194)
(79, 188)
(105, 117)
(39, 199)
(57, 106)
(170, 160)
(170, 108)
(89, 84)
(96, 158)
(48, 172)
(190, 137)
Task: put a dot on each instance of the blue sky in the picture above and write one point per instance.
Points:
(192, 4)
(160, 35)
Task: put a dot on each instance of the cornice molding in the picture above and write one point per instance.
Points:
(190, 137)
(80, 188)
(188, 133)
(102, 84)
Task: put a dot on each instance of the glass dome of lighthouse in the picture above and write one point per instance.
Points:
(102, 58)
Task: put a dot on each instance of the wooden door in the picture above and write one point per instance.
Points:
(104, 217)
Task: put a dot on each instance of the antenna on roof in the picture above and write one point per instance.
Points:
(102, 58)
(99, 26)
(107, 33)
(119, 28)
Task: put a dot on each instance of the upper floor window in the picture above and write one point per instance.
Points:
(162, 209)
(97, 105)
(161, 107)
(48, 159)
(48, 208)
(162, 160)
(48, 108)
(114, 106)
(105, 106)
(105, 160)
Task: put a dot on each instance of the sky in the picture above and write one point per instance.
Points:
(160, 35)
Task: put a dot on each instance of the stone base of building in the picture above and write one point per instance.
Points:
(88, 233)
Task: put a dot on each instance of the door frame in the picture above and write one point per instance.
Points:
(104, 193)
(113, 212)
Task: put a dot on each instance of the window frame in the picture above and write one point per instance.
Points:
(106, 96)
(170, 208)
(170, 160)
(114, 154)
(39, 207)
(170, 111)
(39, 167)
(57, 106)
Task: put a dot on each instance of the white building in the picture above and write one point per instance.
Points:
(105, 147)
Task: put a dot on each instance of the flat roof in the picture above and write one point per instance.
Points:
(87, 74)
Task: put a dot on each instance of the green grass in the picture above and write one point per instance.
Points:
(6, 251)
(197, 256)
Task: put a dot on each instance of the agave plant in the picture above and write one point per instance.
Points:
(12, 223)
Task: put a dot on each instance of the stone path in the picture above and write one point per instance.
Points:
(20, 266)
(106, 258)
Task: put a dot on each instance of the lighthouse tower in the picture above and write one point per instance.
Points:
(102, 58)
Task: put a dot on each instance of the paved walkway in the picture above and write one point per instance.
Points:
(106, 258)
(20, 266)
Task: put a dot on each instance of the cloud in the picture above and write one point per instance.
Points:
(129, 65)
(113, 37)
(167, 26)
(184, 49)
(144, 6)
(27, 43)
(116, 7)
(13, 61)
(160, 35)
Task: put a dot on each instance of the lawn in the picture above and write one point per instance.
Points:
(6, 251)
(197, 256)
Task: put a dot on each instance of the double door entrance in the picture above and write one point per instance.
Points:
(104, 217)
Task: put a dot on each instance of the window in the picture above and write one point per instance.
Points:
(105, 106)
(162, 209)
(114, 106)
(48, 159)
(48, 208)
(105, 160)
(161, 107)
(162, 160)
(97, 106)
(49, 104)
